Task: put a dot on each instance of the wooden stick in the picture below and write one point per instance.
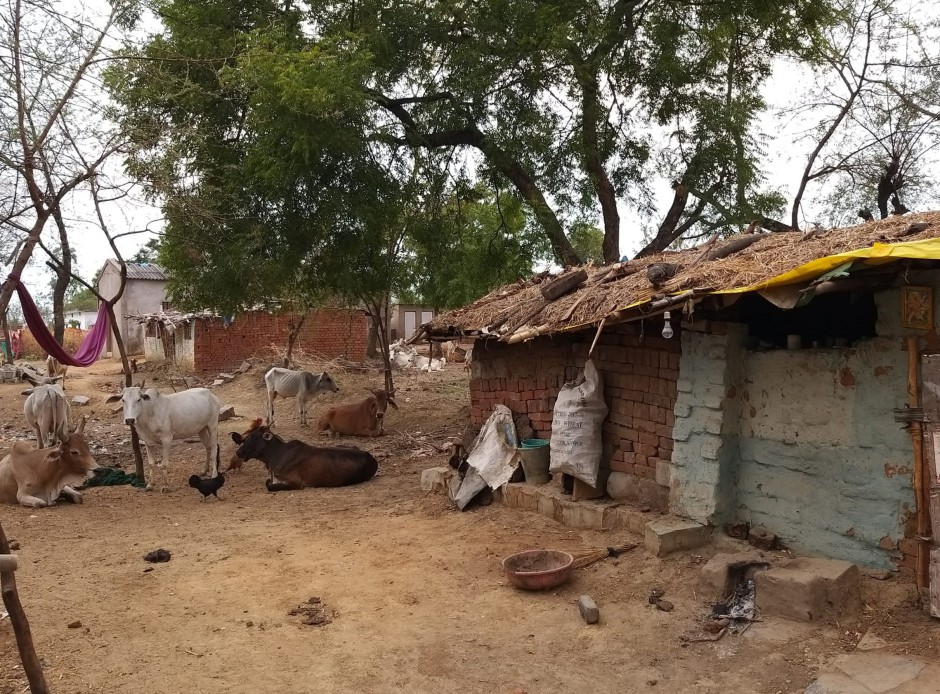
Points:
(921, 488)
(24, 639)
(597, 335)
(564, 284)
(701, 639)
(570, 311)
(7, 562)
(734, 245)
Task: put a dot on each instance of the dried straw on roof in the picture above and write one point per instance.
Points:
(511, 308)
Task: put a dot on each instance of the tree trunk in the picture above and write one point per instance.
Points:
(22, 259)
(886, 186)
(128, 381)
(63, 277)
(666, 233)
(594, 162)
(372, 348)
(293, 332)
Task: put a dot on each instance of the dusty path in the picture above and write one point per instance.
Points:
(416, 590)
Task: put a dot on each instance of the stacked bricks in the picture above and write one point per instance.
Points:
(640, 375)
(330, 332)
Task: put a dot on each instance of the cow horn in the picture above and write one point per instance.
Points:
(80, 429)
(141, 384)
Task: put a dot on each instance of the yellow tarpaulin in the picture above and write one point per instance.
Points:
(878, 254)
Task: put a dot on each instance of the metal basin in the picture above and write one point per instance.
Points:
(538, 569)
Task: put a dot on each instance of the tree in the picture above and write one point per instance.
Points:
(574, 104)
(148, 253)
(58, 133)
(471, 243)
(875, 137)
(588, 241)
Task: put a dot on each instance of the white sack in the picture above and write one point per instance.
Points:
(577, 422)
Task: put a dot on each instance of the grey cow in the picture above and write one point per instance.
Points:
(302, 385)
(47, 412)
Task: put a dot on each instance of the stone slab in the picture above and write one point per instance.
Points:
(549, 501)
(835, 683)
(226, 412)
(879, 672)
(808, 589)
(80, 399)
(669, 535)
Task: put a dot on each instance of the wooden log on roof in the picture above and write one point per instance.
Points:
(733, 246)
(912, 228)
(564, 284)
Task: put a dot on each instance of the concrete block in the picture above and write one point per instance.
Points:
(80, 399)
(663, 472)
(520, 496)
(710, 447)
(217, 382)
(245, 366)
(228, 378)
(588, 609)
(714, 574)
(580, 514)
(226, 412)
(674, 534)
(437, 479)
(808, 589)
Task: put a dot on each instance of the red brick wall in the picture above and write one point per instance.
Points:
(640, 375)
(328, 332)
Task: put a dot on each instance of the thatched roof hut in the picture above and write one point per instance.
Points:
(782, 266)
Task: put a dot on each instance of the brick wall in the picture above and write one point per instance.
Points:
(640, 375)
(328, 332)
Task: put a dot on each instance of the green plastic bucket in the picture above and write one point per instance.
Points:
(534, 443)
(535, 456)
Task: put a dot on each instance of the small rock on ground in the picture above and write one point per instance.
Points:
(77, 624)
(588, 609)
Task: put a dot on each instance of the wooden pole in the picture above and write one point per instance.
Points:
(24, 639)
(921, 493)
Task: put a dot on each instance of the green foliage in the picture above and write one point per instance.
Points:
(472, 244)
(81, 300)
(588, 241)
(148, 253)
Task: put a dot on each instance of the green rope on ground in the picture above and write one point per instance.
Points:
(111, 477)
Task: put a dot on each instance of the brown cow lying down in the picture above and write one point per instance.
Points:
(35, 477)
(235, 463)
(363, 418)
(298, 465)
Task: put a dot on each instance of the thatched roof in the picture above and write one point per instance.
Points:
(624, 291)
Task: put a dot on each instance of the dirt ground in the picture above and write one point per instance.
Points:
(414, 589)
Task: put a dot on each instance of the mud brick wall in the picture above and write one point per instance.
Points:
(640, 375)
(331, 333)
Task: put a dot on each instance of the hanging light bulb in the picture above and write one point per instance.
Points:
(668, 332)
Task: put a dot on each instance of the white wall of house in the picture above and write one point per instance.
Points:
(85, 319)
(140, 296)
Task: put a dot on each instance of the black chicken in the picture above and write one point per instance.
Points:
(207, 487)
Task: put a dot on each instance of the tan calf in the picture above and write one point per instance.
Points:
(363, 418)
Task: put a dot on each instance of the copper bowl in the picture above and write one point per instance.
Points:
(538, 569)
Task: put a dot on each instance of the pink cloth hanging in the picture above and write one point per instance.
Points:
(92, 344)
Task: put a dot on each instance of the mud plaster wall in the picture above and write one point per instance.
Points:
(803, 442)
(639, 386)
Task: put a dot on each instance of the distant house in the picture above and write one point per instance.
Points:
(85, 319)
(144, 293)
(405, 319)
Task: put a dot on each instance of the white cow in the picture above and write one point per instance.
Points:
(300, 384)
(161, 419)
(47, 412)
